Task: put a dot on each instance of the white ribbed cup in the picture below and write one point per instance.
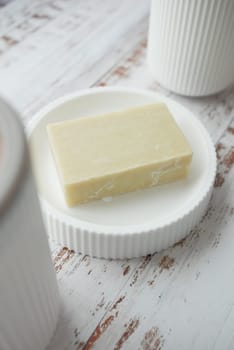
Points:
(191, 45)
(29, 299)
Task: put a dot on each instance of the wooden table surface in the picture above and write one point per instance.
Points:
(181, 298)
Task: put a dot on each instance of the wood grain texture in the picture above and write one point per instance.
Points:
(181, 298)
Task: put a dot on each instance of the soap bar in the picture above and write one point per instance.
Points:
(110, 154)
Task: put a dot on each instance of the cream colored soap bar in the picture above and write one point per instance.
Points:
(110, 154)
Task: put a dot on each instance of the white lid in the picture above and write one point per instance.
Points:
(12, 151)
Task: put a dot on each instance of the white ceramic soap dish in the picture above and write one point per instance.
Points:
(132, 224)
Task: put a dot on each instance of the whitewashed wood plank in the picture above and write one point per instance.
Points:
(129, 304)
(19, 18)
(51, 16)
(70, 61)
(83, 306)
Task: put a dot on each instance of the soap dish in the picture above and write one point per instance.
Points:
(132, 224)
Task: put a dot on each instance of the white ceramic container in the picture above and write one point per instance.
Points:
(29, 300)
(191, 45)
